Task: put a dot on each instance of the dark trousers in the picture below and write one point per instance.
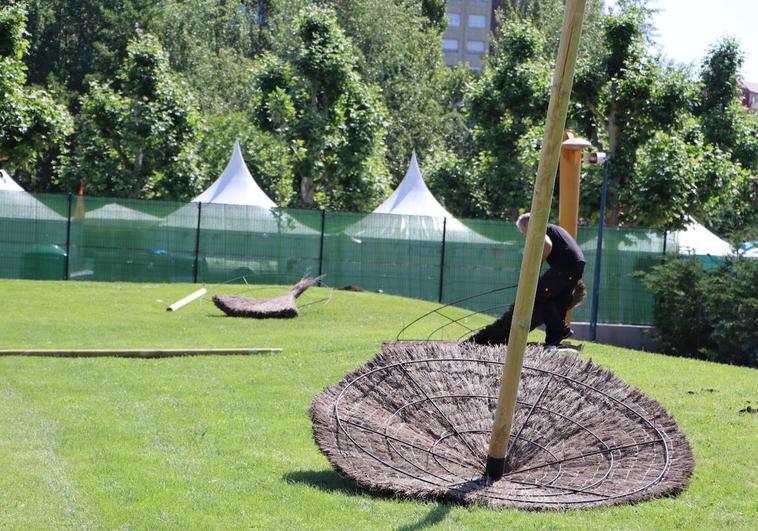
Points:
(554, 292)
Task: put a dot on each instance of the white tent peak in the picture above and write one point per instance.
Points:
(236, 185)
(23, 204)
(7, 184)
(697, 240)
(412, 197)
(120, 212)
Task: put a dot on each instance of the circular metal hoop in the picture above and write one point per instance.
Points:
(416, 421)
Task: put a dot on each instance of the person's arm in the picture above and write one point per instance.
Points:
(547, 248)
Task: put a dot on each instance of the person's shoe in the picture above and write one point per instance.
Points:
(555, 341)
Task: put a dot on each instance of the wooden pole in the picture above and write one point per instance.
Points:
(569, 171)
(136, 353)
(563, 78)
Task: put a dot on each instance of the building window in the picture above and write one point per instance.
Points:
(475, 46)
(453, 20)
(477, 21)
(450, 45)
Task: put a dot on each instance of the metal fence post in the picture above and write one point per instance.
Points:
(68, 238)
(598, 255)
(197, 244)
(321, 243)
(442, 258)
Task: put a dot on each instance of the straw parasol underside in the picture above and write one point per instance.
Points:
(416, 421)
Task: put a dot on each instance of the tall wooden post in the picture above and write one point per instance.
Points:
(569, 172)
(563, 78)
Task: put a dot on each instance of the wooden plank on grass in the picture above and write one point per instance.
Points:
(137, 353)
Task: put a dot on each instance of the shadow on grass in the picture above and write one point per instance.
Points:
(326, 480)
(435, 516)
(331, 481)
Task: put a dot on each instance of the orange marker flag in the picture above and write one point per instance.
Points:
(80, 211)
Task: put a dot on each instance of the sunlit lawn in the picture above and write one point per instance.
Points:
(225, 441)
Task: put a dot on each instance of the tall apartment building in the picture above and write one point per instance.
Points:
(469, 24)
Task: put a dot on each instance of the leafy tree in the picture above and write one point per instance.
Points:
(622, 100)
(33, 127)
(314, 99)
(137, 138)
(506, 105)
(213, 44)
(407, 64)
(725, 122)
(707, 313)
(77, 40)
(434, 11)
(547, 15)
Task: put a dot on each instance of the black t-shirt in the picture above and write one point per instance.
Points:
(566, 252)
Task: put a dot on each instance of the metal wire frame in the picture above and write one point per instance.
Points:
(657, 438)
(457, 321)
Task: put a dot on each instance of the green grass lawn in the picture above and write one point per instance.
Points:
(225, 442)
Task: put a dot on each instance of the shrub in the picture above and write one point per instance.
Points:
(707, 314)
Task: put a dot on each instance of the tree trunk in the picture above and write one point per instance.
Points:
(613, 130)
(137, 172)
(307, 191)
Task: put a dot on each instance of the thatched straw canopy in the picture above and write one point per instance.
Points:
(416, 421)
(282, 307)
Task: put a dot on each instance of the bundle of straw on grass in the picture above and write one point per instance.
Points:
(282, 306)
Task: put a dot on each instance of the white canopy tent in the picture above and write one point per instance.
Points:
(696, 240)
(7, 184)
(249, 208)
(19, 204)
(413, 198)
(236, 186)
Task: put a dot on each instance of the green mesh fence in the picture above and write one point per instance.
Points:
(33, 236)
(59, 237)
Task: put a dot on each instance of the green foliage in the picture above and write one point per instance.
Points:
(625, 100)
(707, 314)
(315, 101)
(456, 180)
(434, 10)
(688, 177)
(139, 138)
(77, 41)
(726, 123)
(407, 64)
(718, 75)
(664, 171)
(33, 127)
(506, 105)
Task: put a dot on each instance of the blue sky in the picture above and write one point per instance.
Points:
(687, 28)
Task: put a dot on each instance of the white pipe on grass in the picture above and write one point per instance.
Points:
(186, 300)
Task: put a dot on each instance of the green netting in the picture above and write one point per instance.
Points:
(626, 252)
(395, 254)
(122, 239)
(261, 245)
(153, 241)
(33, 236)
